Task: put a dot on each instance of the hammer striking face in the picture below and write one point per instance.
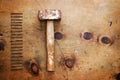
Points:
(50, 16)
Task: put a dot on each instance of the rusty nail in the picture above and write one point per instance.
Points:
(34, 69)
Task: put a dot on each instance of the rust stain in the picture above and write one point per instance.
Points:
(68, 62)
(34, 69)
(49, 14)
(2, 43)
(32, 66)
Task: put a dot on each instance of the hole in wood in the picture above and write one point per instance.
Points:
(87, 36)
(105, 40)
(58, 35)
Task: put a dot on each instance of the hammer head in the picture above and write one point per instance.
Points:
(50, 14)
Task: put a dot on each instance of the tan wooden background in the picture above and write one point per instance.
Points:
(93, 60)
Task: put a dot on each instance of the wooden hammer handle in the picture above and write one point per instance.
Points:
(50, 46)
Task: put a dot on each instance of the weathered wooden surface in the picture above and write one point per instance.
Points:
(75, 57)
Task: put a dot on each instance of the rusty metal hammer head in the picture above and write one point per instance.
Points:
(50, 14)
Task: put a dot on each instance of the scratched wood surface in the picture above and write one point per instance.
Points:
(78, 56)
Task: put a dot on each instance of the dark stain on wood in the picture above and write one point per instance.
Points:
(2, 46)
(87, 36)
(68, 62)
(58, 35)
(106, 40)
(34, 69)
(110, 23)
(117, 76)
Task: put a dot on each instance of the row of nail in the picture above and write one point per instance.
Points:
(103, 39)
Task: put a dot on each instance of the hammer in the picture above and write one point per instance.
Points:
(50, 16)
